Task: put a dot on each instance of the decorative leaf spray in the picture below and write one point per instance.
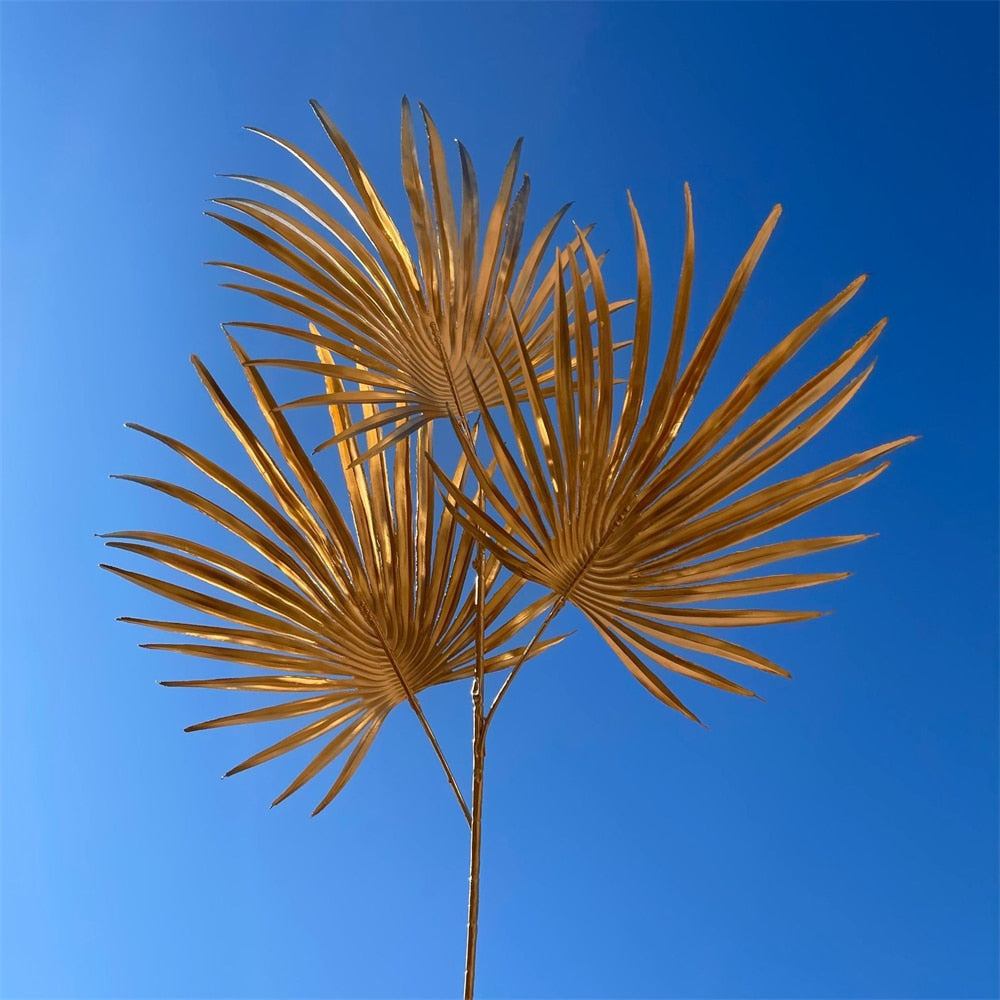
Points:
(566, 483)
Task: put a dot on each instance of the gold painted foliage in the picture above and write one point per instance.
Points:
(410, 329)
(639, 534)
(590, 490)
(349, 620)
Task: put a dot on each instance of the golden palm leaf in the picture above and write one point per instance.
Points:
(347, 624)
(611, 518)
(421, 326)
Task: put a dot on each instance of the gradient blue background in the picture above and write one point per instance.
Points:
(838, 841)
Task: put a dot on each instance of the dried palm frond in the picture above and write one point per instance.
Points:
(604, 516)
(347, 624)
(420, 328)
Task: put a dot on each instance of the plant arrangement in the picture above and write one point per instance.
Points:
(578, 480)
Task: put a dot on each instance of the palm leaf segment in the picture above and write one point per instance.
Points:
(608, 519)
(420, 329)
(346, 624)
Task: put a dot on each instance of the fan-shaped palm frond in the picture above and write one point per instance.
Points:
(421, 326)
(347, 624)
(637, 538)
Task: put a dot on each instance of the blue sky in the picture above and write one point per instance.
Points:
(838, 841)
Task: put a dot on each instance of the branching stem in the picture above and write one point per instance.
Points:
(419, 712)
(478, 765)
(525, 653)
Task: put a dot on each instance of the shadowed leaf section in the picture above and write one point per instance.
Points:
(423, 324)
